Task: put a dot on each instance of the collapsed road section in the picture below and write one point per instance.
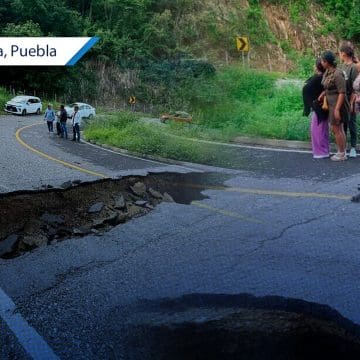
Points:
(30, 219)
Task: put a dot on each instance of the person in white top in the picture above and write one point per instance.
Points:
(76, 120)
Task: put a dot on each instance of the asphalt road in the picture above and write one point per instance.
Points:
(273, 231)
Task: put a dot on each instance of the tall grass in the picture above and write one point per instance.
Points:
(4, 97)
(239, 101)
(126, 130)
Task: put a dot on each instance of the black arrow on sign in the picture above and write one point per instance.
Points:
(242, 44)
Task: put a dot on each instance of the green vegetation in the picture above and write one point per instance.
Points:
(233, 102)
(126, 130)
(239, 101)
(175, 55)
(4, 97)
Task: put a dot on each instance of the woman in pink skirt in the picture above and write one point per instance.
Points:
(319, 124)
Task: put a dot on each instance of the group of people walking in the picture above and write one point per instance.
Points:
(61, 118)
(332, 97)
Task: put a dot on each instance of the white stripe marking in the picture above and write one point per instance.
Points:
(254, 147)
(31, 341)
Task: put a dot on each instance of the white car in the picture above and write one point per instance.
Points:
(23, 105)
(85, 110)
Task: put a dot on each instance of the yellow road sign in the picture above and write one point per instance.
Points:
(132, 100)
(242, 43)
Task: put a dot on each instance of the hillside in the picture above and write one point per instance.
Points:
(152, 48)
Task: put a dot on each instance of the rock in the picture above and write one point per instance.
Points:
(135, 211)
(141, 203)
(119, 202)
(96, 208)
(76, 182)
(168, 198)
(98, 223)
(149, 206)
(52, 220)
(66, 185)
(8, 245)
(34, 226)
(139, 188)
(155, 194)
(81, 231)
(111, 218)
(63, 232)
(122, 217)
(36, 240)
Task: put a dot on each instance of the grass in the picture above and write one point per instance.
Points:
(126, 130)
(235, 102)
(248, 102)
(4, 97)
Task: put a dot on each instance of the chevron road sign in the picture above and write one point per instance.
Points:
(242, 43)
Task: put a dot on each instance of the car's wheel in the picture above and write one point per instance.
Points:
(23, 112)
(38, 112)
(91, 116)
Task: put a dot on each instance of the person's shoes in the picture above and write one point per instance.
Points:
(352, 153)
(339, 157)
(321, 156)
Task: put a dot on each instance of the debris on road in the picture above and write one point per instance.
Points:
(31, 219)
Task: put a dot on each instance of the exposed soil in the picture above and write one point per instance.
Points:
(242, 327)
(29, 219)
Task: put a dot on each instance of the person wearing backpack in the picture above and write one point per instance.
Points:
(335, 94)
(351, 72)
(49, 117)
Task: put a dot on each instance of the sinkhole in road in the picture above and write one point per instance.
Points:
(237, 326)
(31, 219)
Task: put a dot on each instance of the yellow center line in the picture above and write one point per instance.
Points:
(199, 186)
(227, 213)
(46, 156)
(269, 192)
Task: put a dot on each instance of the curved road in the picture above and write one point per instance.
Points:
(271, 232)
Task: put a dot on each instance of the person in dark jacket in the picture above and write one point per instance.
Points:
(319, 123)
(63, 118)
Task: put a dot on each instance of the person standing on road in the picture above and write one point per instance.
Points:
(49, 117)
(351, 72)
(356, 87)
(319, 118)
(76, 120)
(63, 119)
(335, 93)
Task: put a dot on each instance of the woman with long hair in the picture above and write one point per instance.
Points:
(319, 123)
(335, 92)
(348, 66)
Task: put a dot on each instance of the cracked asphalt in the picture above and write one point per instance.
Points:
(79, 294)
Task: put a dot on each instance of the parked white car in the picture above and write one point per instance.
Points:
(23, 105)
(85, 110)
